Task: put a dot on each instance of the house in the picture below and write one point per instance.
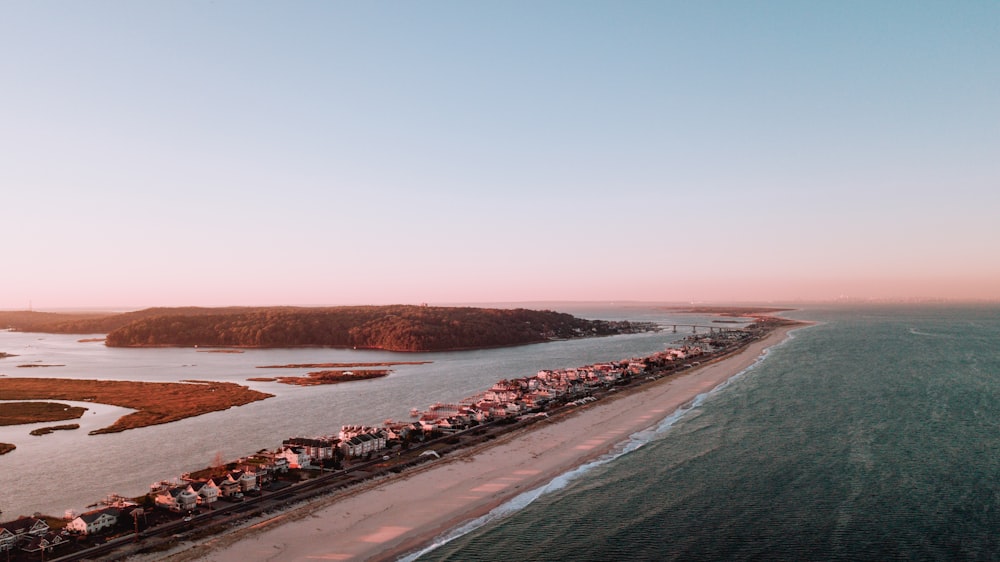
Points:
(246, 479)
(46, 542)
(228, 486)
(93, 522)
(207, 491)
(320, 449)
(363, 444)
(353, 447)
(293, 457)
(7, 539)
(178, 500)
(20, 530)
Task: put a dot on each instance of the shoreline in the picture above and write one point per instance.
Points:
(391, 517)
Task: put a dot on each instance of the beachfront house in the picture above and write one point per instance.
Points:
(21, 530)
(247, 480)
(179, 500)
(316, 448)
(364, 443)
(207, 491)
(293, 457)
(228, 486)
(93, 522)
(7, 539)
(44, 543)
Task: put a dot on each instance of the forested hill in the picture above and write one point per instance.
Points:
(93, 322)
(396, 328)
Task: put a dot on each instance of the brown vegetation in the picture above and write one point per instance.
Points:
(341, 365)
(6, 448)
(48, 430)
(29, 365)
(17, 413)
(316, 378)
(5, 355)
(155, 402)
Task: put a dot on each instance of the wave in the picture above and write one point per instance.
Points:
(917, 332)
(634, 442)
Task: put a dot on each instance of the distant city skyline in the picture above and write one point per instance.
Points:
(314, 153)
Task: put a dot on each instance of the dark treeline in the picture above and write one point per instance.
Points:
(397, 328)
(92, 322)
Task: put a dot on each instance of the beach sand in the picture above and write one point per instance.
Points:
(389, 518)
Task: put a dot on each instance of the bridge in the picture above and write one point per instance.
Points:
(694, 328)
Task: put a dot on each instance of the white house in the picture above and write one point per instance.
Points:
(293, 457)
(95, 521)
(247, 480)
(207, 491)
(227, 485)
(179, 499)
(7, 539)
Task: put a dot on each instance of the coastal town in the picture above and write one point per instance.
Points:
(302, 467)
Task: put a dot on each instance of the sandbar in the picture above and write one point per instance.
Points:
(387, 518)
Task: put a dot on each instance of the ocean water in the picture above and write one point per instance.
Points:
(873, 435)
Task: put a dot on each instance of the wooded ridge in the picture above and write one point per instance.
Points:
(394, 327)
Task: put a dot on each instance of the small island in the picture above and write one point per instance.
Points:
(316, 378)
(341, 365)
(6, 355)
(18, 413)
(48, 430)
(6, 448)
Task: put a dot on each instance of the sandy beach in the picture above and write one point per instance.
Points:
(398, 515)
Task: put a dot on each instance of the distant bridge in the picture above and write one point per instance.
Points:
(694, 328)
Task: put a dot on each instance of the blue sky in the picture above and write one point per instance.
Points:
(215, 153)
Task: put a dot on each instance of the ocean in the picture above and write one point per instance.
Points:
(872, 435)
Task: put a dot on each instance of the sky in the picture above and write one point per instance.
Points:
(215, 153)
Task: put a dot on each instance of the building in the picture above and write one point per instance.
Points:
(180, 499)
(207, 491)
(21, 530)
(94, 522)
